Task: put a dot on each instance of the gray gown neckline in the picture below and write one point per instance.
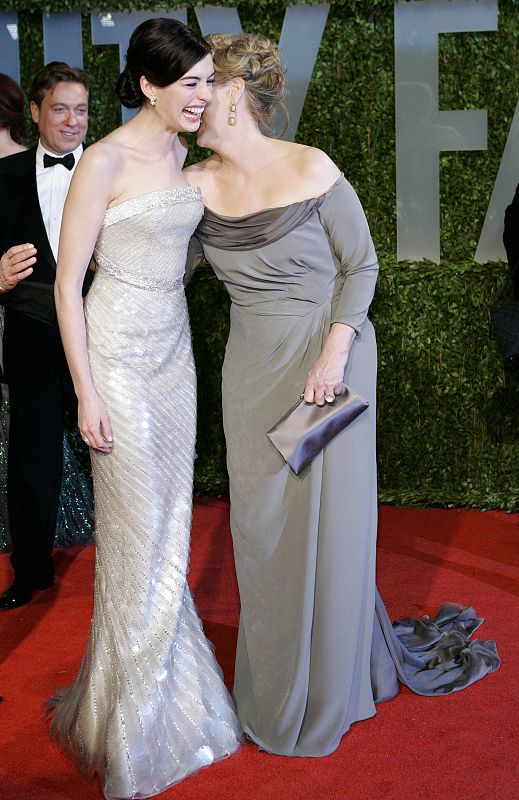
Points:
(258, 228)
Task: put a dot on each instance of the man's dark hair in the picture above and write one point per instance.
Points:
(57, 72)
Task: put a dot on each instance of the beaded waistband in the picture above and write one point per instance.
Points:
(149, 283)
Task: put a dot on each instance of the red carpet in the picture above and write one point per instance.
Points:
(463, 746)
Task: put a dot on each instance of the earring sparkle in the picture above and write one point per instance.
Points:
(231, 118)
(153, 101)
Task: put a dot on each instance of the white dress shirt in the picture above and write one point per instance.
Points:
(53, 184)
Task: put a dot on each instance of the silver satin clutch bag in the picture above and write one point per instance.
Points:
(304, 430)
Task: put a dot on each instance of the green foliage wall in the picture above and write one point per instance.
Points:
(448, 412)
(448, 415)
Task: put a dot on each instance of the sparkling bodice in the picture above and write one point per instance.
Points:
(156, 258)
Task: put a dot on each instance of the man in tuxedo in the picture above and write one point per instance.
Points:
(33, 189)
(511, 240)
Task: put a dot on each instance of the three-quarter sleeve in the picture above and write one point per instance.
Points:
(346, 226)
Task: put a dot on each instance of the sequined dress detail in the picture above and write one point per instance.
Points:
(148, 706)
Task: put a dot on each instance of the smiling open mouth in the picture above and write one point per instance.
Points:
(193, 113)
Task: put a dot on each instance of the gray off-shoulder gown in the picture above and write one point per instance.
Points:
(316, 649)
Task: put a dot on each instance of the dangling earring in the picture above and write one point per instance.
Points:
(153, 101)
(231, 119)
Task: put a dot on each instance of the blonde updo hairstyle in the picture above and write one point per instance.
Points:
(256, 60)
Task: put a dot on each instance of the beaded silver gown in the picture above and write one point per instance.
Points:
(149, 706)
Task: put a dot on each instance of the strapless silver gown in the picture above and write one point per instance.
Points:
(149, 706)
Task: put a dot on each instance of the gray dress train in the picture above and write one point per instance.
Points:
(315, 647)
(149, 705)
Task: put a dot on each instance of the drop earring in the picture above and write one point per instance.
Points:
(153, 101)
(231, 118)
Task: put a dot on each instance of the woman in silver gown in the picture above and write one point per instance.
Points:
(285, 232)
(148, 706)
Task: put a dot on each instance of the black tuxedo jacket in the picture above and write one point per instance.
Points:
(511, 239)
(21, 221)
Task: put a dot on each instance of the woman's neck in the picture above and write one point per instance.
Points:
(7, 144)
(245, 151)
(146, 133)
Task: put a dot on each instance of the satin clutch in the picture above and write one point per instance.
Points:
(304, 430)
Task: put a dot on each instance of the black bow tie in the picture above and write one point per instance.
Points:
(68, 161)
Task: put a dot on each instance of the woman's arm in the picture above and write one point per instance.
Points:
(89, 195)
(326, 377)
(345, 223)
(195, 255)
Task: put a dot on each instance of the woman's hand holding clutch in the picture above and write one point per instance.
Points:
(325, 379)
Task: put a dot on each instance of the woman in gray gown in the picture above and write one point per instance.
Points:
(286, 233)
(148, 706)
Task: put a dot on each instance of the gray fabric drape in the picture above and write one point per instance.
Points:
(315, 647)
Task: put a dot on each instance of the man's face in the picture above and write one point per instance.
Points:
(62, 117)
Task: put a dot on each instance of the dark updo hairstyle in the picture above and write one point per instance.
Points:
(162, 50)
(12, 107)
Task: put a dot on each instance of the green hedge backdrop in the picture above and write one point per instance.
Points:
(448, 411)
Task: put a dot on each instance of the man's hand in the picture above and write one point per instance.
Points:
(15, 265)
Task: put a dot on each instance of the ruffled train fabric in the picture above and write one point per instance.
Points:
(432, 656)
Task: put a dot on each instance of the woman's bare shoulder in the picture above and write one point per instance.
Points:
(318, 169)
(201, 171)
(309, 172)
(96, 176)
(208, 164)
(106, 154)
